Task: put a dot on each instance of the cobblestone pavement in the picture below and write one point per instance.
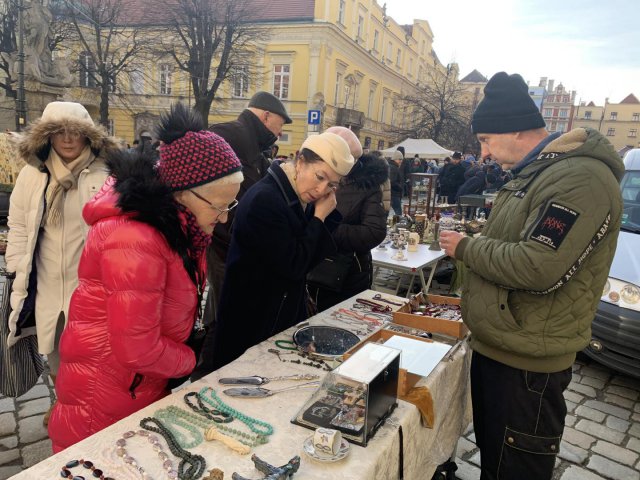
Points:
(601, 438)
(602, 434)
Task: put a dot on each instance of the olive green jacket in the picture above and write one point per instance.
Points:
(535, 275)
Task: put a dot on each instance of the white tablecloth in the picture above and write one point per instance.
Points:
(424, 448)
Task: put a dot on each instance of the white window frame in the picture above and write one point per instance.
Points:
(383, 109)
(360, 26)
(136, 79)
(281, 80)
(587, 115)
(240, 84)
(341, 11)
(86, 80)
(165, 78)
(613, 116)
(376, 40)
(336, 96)
(611, 132)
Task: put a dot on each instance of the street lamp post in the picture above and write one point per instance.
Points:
(21, 104)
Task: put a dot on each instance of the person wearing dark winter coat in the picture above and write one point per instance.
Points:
(397, 182)
(254, 132)
(140, 274)
(363, 227)
(282, 230)
(451, 178)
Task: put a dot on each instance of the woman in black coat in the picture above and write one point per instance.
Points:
(281, 230)
(363, 227)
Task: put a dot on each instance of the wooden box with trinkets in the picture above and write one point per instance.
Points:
(357, 396)
(433, 313)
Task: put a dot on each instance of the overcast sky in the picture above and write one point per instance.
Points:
(591, 46)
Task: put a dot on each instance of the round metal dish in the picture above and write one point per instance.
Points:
(326, 343)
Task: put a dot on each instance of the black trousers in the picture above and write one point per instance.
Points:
(518, 419)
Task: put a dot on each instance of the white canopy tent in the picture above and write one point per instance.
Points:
(425, 147)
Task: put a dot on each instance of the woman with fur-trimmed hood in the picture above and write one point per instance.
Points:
(63, 151)
(141, 276)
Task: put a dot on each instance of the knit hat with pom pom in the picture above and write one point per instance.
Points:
(190, 155)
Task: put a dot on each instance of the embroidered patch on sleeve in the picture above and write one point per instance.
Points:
(554, 226)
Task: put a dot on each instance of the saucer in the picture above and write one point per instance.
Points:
(310, 450)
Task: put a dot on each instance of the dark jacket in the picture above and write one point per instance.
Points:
(534, 278)
(363, 227)
(248, 138)
(396, 179)
(451, 178)
(273, 246)
(473, 186)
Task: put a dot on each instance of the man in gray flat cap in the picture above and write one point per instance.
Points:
(255, 130)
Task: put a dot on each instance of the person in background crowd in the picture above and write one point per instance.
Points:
(64, 154)
(534, 278)
(451, 177)
(364, 220)
(432, 166)
(282, 230)
(255, 131)
(416, 165)
(396, 180)
(140, 274)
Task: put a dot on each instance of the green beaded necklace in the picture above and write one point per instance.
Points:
(173, 415)
(208, 394)
(171, 420)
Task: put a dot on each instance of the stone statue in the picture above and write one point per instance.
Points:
(38, 64)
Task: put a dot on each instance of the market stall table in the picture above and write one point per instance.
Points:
(414, 264)
(423, 448)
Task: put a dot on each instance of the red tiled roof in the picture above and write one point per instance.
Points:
(147, 12)
(631, 98)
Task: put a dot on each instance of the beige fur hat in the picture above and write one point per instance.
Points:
(333, 150)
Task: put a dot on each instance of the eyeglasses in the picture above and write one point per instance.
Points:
(321, 178)
(67, 134)
(221, 211)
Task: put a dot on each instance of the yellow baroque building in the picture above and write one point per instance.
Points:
(345, 59)
(619, 122)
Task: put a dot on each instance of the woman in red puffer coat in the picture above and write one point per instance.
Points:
(139, 277)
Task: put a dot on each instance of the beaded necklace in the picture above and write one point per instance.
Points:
(180, 417)
(212, 414)
(321, 364)
(66, 473)
(191, 466)
(208, 394)
(121, 451)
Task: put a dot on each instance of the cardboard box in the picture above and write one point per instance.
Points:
(431, 324)
(406, 380)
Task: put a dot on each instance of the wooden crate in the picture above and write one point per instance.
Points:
(431, 324)
(406, 380)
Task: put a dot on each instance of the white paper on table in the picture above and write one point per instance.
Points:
(364, 365)
(418, 357)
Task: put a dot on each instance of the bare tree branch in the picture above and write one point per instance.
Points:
(440, 111)
(212, 38)
(106, 39)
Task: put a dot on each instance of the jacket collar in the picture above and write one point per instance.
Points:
(282, 181)
(264, 136)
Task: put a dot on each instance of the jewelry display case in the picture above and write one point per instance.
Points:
(357, 396)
